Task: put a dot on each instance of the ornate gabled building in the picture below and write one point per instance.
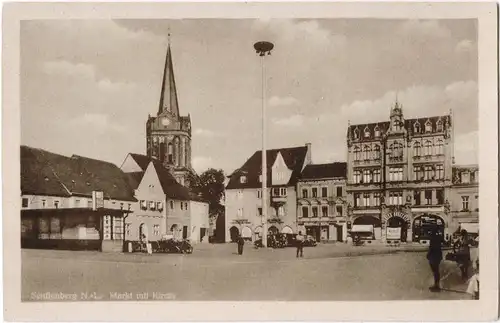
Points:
(168, 134)
(399, 175)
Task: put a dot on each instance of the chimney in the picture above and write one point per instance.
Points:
(308, 154)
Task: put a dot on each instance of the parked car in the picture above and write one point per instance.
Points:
(173, 246)
(310, 241)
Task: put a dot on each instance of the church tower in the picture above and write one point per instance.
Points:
(168, 134)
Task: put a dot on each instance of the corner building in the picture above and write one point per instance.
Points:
(399, 175)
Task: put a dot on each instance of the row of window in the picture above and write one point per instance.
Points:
(396, 198)
(397, 126)
(281, 212)
(427, 172)
(312, 211)
(280, 176)
(396, 150)
(156, 229)
(324, 192)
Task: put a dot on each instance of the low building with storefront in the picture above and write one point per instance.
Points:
(322, 201)
(243, 193)
(465, 199)
(74, 203)
(165, 207)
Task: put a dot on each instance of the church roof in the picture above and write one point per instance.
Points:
(46, 173)
(319, 171)
(168, 96)
(293, 157)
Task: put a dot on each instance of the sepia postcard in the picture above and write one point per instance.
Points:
(250, 161)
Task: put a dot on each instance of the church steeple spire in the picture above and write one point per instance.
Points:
(168, 96)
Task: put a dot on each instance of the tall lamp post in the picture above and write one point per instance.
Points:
(263, 48)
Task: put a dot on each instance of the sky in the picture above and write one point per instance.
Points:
(87, 86)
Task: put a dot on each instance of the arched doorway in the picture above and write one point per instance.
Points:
(273, 230)
(246, 233)
(234, 233)
(400, 224)
(424, 225)
(143, 232)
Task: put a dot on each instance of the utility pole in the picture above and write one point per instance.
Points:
(264, 48)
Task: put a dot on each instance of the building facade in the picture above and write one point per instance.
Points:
(465, 198)
(165, 207)
(399, 175)
(168, 134)
(322, 201)
(72, 202)
(243, 194)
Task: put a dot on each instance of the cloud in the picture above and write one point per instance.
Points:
(85, 71)
(465, 45)
(68, 68)
(308, 31)
(295, 120)
(276, 101)
(205, 133)
(424, 28)
(96, 122)
(202, 163)
(466, 148)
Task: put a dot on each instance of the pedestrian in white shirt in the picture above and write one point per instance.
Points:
(473, 288)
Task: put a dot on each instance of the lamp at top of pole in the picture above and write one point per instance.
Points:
(263, 47)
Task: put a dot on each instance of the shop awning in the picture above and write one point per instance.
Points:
(470, 227)
(362, 228)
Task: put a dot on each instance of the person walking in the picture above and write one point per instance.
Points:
(435, 256)
(462, 251)
(300, 245)
(241, 243)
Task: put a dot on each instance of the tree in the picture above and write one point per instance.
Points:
(210, 186)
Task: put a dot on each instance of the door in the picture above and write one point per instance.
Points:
(184, 232)
(339, 233)
(202, 233)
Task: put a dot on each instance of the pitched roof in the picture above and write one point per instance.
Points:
(141, 160)
(43, 172)
(134, 179)
(318, 171)
(293, 157)
(170, 186)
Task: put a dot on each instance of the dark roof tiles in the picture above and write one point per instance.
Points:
(319, 171)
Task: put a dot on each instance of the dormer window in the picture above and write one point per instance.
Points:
(428, 126)
(396, 126)
(416, 127)
(465, 177)
(377, 132)
(356, 134)
(367, 132)
(243, 179)
(439, 126)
